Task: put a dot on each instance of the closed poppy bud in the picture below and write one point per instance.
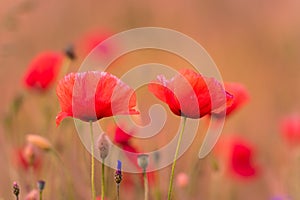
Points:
(41, 185)
(39, 141)
(16, 189)
(103, 146)
(70, 52)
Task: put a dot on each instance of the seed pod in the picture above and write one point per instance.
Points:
(143, 161)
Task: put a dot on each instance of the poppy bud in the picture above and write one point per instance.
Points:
(41, 185)
(39, 141)
(16, 189)
(103, 146)
(70, 52)
(118, 174)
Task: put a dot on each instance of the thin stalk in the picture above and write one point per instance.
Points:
(145, 184)
(157, 188)
(103, 181)
(32, 176)
(175, 158)
(93, 162)
(41, 195)
(118, 191)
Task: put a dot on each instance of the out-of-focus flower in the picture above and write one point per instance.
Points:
(240, 97)
(182, 180)
(91, 40)
(39, 141)
(284, 197)
(30, 153)
(32, 195)
(238, 156)
(43, 70)
(241, 159)
(290, 129)
(93, 95)
(121, 137)
(123, 140)
(28, 156)
(190, 94)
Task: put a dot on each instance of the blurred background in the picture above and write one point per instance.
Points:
(255, 43)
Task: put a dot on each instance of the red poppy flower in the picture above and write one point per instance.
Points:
(27, 157)
(190, 94)
(240, 97)
(238, 155)
(43, 70)
(122, 139)
(290, 129)
(93, 95)
(91, 40)
(241, 159)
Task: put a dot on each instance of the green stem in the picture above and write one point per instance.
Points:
(41, 195)
(32, 176)
(93, 163)
(175, 158)
(145, 184)
(157, 189)
(103, 181)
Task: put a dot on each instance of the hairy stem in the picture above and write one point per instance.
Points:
(175, 158)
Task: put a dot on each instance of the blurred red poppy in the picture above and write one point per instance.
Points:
(91, 40)
(27, 157)
(190, 94)
(122, 139)
(93, 95)
(43, 70)
(290, 129)
(240, 97)
(241, 159)
(238, 155)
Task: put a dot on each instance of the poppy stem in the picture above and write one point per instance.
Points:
(175, 158)
(103, 181)
(145, 184)
(118, 191)
(93, 162)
